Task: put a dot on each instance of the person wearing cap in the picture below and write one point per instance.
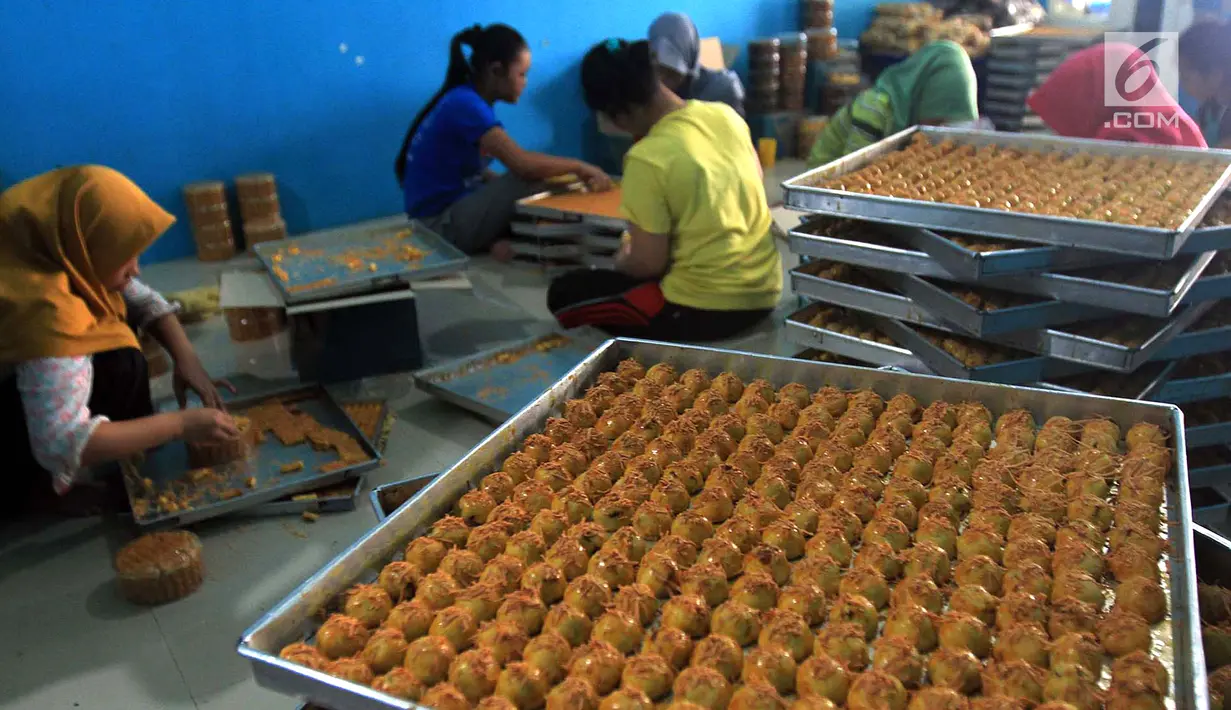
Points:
(676, 45)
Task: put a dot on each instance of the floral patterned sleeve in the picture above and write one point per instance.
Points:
(55, 393)
(145, 305)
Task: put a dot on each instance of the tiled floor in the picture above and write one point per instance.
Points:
(73, 643)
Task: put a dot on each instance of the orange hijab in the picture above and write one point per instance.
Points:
(61, 234)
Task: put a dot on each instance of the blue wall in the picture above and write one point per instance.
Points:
(171, 92)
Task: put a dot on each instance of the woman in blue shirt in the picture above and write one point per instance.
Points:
(443, 163)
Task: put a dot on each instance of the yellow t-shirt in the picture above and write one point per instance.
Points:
(695, 179)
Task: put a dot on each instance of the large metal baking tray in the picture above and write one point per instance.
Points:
(389, 497)
(1202, 434)
(1214, 284)
(1085, 350)
(860, 298)
(546, 249)
(1085, 288)
(801, 332)
(294, 618)
(316, 265)
(1143, 384)
(1195, 389)
(910, 250)
(498, 382)
(1030, 368)
(822, 356)
(1202, 377)
(531, 206)
(1210, 475)
(1212, 556)
(970, 265)
(903, 257)
(549, 229)
(982, 323)
(170, 463)
(1102, 236)
(1209, 434)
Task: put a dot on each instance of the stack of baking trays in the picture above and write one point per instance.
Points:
(568, 227)
(954, 252)
(1017, 64)
(671, 524)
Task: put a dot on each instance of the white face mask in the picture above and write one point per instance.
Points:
(981, 123)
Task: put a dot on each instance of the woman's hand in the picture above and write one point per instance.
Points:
(191, 375)
(594, 177)
(207, 425)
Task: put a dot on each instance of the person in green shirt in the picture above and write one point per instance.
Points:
(698, 262)
(936, 85)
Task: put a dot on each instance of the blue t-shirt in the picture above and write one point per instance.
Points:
(443, 162)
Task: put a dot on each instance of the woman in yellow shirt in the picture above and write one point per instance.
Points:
(698, 262)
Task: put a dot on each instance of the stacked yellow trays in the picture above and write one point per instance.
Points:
(258, 205)
(211, 224)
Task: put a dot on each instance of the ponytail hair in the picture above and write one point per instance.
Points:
(1206, 46)
(494, 44)
(617, 75)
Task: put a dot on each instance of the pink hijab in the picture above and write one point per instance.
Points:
(1071, 102)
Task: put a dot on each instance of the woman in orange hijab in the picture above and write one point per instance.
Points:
(74, 389)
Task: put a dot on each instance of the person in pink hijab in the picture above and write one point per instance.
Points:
(1071, 101)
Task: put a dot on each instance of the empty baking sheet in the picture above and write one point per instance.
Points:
(244, 484)
(497, 383)
(801, 331)
(978, 310)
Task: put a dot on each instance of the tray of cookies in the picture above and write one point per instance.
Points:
(971, 258)
(983, 311)
(1210, 334)
(292, 441)
(1207, 422)
(965, 358)
(1214, 232)
(847, 286)
(1209, 465)
(1148, 288)
(1198, 379)
(498, 382)
(716, 549)
(1101, 195)
(862, 243)
(1121, 344)
(822, 356)
(1146, 383)
(849, 334)
(357, 259)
